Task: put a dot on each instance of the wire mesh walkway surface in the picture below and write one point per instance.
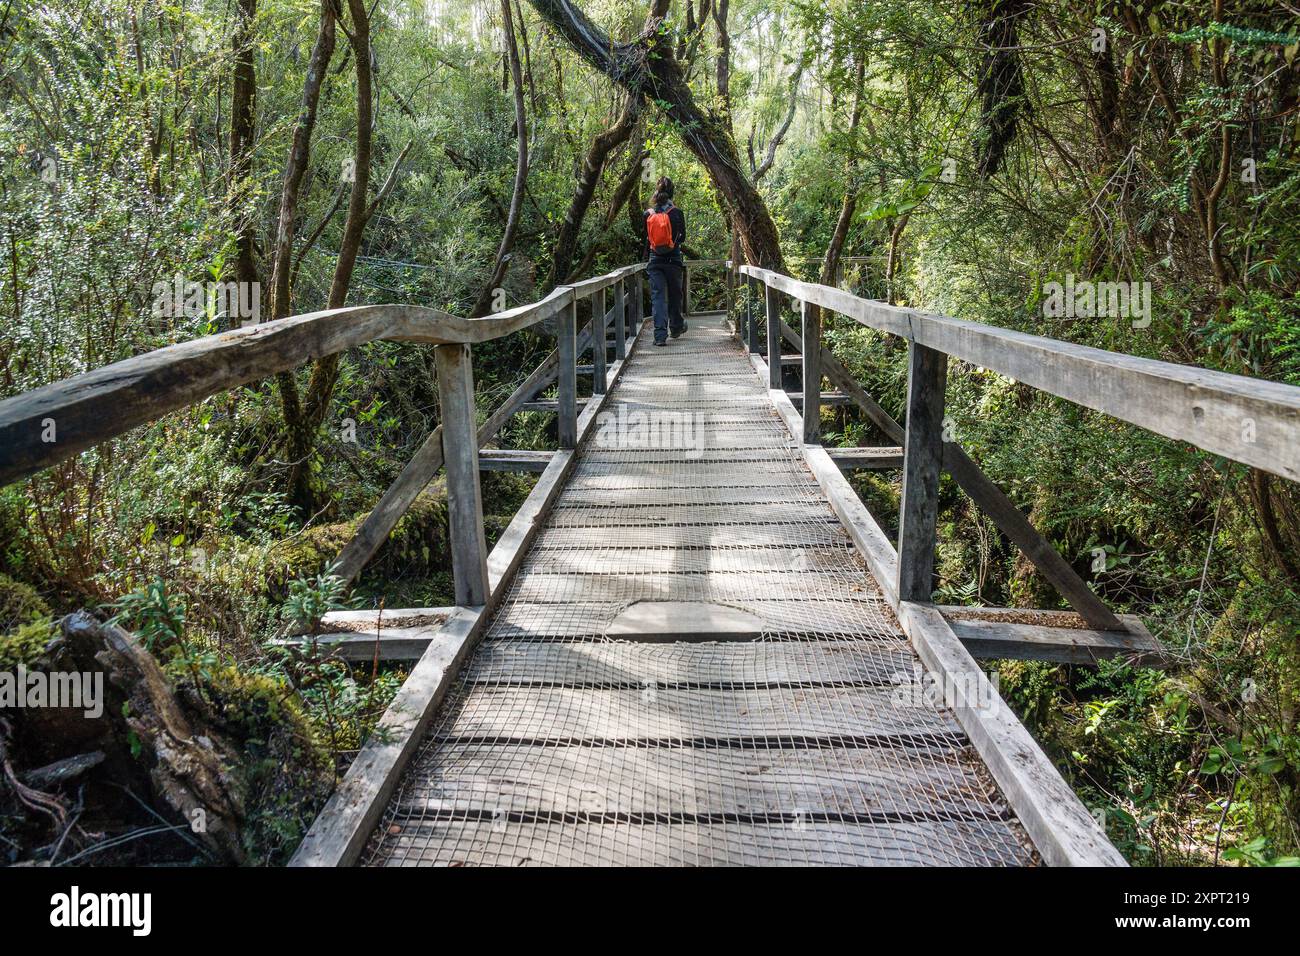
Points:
(808, 741)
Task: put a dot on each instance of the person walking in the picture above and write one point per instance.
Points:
(665, 228)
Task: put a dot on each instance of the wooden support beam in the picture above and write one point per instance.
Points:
(751, 310)
(922, 462)
(598, 355)
(460, 453)
(638, 304)
(514, 459)
(1002, 639)
(550, 405)
(826, 398)
(867, 459)
(566, 346)
(774, 324)
(620, 323)
(812, 373)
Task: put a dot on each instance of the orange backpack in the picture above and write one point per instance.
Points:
(659, 228)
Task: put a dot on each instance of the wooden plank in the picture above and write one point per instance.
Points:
(1000, 640)
(625, 663)
(855, 620)
(514, 459)
(990, 499)
(922, 457)
(566, 347)
(641, 781)
(773, 338)
(792, 841)
(588, 286)
(812, 373)
(523, 713)
(460, 454)
(1249, 420)
(366, 620)
(398, 644)
(873, 459)
(751, 311)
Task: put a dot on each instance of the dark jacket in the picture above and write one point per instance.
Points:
(678, 222)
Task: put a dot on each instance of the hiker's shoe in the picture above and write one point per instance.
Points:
(661, 341)
(676, 332)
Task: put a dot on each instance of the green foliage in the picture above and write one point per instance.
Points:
(310, 599)
(154, 615)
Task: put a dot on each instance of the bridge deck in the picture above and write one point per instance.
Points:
(809, 742)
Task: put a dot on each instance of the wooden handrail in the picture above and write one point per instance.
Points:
(1253, 421)
(49, 424)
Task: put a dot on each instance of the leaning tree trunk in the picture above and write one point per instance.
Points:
(646, 67)
(831, 263)
(626, 194)
(593, 164)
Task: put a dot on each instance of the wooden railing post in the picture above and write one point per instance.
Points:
(922, 460)
(812, 373)
(773, 338)
(598, 353)
(460, 457)
(751, 309)
(567, 378)
(737, 331)
(638, 317)
(620, 321)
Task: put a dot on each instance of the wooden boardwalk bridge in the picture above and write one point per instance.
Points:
(693, 643)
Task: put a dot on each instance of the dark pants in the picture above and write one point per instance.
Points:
(666, 297)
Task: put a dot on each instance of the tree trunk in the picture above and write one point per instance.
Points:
(280, 302)
(891, 267)
(646, 67)
(593, 164)
(325, 373)
(626, 193)
(243, 105)
(1001, 81)
(484, 301)
(779, 136)
(831, 262)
